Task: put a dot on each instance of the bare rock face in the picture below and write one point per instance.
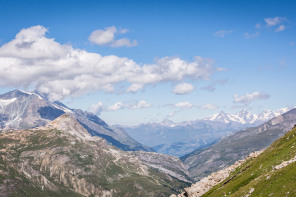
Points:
(63, 159)
(22, 110)
(67, 123)
(205, 184)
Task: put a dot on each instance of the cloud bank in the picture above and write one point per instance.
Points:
(119, 105)
(59, 70)
(96, 108)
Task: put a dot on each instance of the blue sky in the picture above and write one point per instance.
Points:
(246, 53)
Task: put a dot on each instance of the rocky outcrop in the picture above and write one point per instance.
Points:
(285, 163)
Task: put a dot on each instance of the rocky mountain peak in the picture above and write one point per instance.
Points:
(222, 117)
(68, 123)
(18, 94)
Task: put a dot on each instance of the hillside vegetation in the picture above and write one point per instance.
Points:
(272, 173)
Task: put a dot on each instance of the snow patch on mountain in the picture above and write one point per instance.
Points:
(64, 109)
(31, 93)
(4, 102)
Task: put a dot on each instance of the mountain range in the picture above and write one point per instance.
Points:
(48, 149)
(179, 139)
(237, 146)
(25, 110)
(247, 118)
(63, 159)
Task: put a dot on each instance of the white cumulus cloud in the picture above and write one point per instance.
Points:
(184, 105)
(183, 88)
(250, 97)
(107, 37)
(119, 105)
(58, 71)
(116, 106)
(102, 37)
(96, 108)
(140, 105)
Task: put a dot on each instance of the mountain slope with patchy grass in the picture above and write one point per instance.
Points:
(272, 173)
(63, 159)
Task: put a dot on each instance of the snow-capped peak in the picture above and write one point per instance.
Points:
(246, 117)
(221, 117)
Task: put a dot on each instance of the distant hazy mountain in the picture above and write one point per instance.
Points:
(232, 148)
(62, 159)
(25, 110)
(182, 138)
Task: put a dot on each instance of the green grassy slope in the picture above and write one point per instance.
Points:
(260, 176)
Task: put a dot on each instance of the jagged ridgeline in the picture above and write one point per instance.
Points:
(182, 138)
(25, 110)
(63, 159)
